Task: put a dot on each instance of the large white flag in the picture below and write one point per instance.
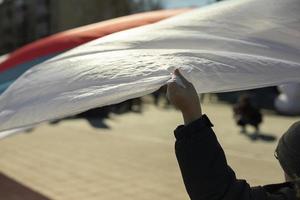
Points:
(233, 45)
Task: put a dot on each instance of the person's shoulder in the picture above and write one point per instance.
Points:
(278, 186)
(280, 191)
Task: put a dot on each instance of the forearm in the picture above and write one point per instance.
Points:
(202, 161)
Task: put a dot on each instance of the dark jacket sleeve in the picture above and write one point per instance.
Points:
(204, 167)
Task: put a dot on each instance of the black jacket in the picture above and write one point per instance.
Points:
(206, 174)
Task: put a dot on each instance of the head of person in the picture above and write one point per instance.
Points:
(288, 154)
(244, 99)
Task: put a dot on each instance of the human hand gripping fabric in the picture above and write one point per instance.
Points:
(183, 96)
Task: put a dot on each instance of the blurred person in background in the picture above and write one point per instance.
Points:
(203, 164)
(245, 113)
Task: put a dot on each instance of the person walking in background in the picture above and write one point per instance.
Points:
(202, 161)
(245, 113)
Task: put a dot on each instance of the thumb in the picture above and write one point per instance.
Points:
(184, 80)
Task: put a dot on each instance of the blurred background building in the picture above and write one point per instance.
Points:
(23, 21)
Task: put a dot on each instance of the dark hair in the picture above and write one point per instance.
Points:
(288, 154)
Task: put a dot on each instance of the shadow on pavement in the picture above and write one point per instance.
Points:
(12, 190)
(94, 122)
(97, 123)
(266, 137)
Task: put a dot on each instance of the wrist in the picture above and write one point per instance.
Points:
(192, 115)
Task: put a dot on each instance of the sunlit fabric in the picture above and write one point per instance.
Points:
(16, 63)
(233, 45)
(288, 100)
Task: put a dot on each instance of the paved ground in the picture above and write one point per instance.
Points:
(13, 190)
(132, 159)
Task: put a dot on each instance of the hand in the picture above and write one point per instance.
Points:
(185, 99)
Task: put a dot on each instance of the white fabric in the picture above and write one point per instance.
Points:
(233, 45)
(177, 80)
(288, 102)
(3, 58)
(5, 134)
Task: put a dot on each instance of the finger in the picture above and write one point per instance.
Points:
(172, 86)
(176, 79)
(184, 80)
(168, 93)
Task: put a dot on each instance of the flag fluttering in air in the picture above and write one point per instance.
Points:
(16, 63)
(233, 45)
